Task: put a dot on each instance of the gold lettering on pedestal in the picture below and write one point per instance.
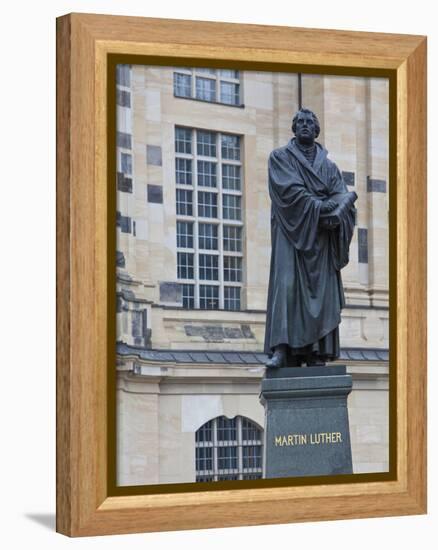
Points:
(321, 438)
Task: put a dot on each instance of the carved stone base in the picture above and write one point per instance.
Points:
(306, 421)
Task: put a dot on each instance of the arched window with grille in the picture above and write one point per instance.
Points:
(229, 448)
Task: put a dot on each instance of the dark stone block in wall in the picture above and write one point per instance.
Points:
(137, 327)
(153, 155)
(126, 163)
(192, 330)
(120, 259)
(362, 237)
(210, 333)
(123, 98)
(128, 295)
(246, 331)
(148, 338)
(124, 140)
(125, 224)
(348, 177)
(231, 332)
(217, 333)
(213, 333)
(171, 292)
(140, 333)
(123, 75)
(119, 304)
(376, 186)
(155, 193)
(123, 183)
(124, 277)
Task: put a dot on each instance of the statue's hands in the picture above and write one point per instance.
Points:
(328, 206)
(330, 224)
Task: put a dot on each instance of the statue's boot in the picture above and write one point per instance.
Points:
(277, 360)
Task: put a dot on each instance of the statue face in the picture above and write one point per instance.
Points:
(305, 129)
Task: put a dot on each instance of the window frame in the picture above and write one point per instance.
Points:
(236, 446)
(214, 75)
(201, 213)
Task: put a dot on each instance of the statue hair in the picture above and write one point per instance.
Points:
(315, 120)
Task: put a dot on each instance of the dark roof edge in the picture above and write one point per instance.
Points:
(234, 357)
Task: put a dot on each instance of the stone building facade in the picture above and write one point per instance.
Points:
(193, 250)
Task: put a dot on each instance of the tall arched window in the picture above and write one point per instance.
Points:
(229, 448)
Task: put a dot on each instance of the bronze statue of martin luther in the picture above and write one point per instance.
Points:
(312, 223)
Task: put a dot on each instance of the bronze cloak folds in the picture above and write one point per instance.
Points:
(305, 294)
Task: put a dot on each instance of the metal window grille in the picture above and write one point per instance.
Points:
(206, 143)
(184, 234)
(208, 297)
(206, 173)
(183, 140)
(205, 88)
(207, 233)
(231, 177)
(229, 448)
(188, 296)
(232, 238)
(183, 171)
(208, 267)
(230, 146)
(232, 207)
(207, 204)
(232, 298)
(227, 73)
(184, 202)
(182, 85)
(230, 93)
(185, 265)
(232, 268)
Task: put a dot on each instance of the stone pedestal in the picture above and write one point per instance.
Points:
(306, 421)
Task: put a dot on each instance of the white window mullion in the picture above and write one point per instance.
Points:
(218, 87)
(196, 216)
(215, 460)
(220, 225)
(239, 447)
(192, 72)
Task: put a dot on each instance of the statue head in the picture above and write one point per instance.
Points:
(305, 126)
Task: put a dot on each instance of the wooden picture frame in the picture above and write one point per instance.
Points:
(85, 503)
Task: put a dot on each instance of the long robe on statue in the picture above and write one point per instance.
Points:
(305, 294)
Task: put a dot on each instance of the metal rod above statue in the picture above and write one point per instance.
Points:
(312, 223)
